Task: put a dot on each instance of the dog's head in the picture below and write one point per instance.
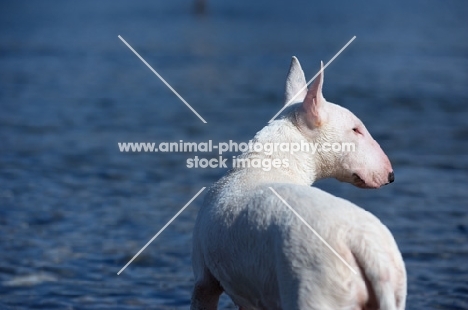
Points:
(346, 150)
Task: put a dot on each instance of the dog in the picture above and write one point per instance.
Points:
(250, 245)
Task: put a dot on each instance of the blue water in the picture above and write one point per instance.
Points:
(74, 210)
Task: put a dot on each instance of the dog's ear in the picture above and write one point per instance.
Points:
(314, 100)
(296, 87)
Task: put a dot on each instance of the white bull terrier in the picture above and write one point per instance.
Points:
(250, 245)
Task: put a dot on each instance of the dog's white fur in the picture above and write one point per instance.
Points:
(247, 243)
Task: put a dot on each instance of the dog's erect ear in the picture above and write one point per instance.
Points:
(314, 100)
(296, 88)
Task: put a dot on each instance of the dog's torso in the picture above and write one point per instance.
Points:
(261, 253)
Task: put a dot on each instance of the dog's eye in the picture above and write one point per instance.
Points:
(356, 130)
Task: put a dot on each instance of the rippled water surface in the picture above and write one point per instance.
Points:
(74, 210)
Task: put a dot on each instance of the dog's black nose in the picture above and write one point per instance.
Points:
(391, 177)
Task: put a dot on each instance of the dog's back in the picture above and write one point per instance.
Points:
(264, 257)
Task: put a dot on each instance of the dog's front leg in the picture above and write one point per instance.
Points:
(205, 295)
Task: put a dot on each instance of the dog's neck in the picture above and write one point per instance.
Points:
(303, 168)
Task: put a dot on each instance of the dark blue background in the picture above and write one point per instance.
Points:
(74, 210)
